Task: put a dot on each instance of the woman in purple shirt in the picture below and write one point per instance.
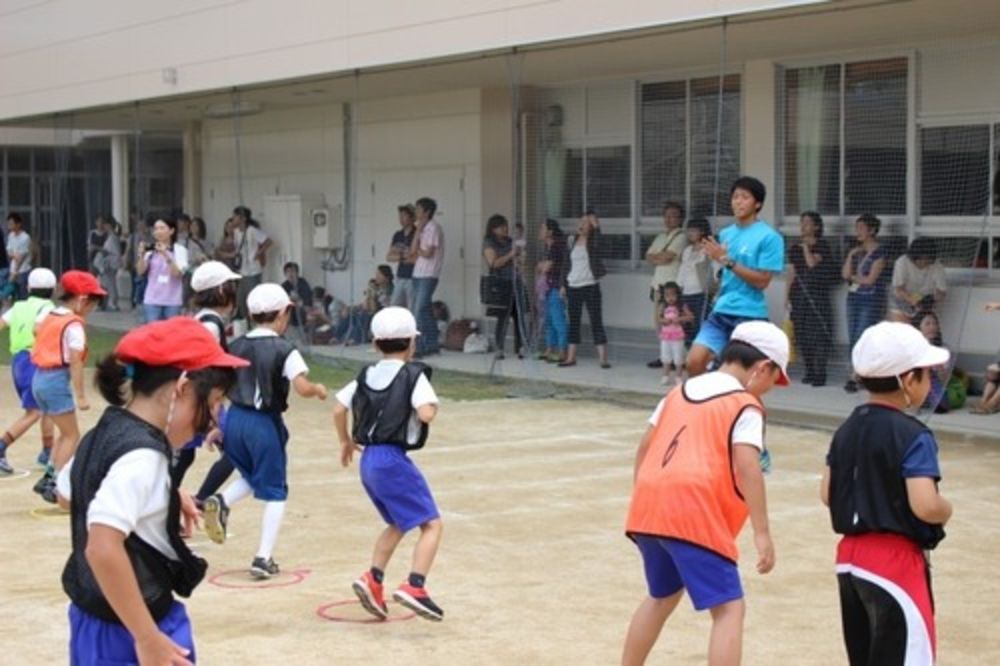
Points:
(163, 265)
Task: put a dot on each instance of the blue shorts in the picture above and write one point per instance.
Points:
(52, 391)
(199, 439)
(396, 487)
(96, 642)
(716, 329)
(255, 443)
(672, 565)
(23, 371)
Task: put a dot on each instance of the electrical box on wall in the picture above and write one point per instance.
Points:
(328, 227)
(287, 220)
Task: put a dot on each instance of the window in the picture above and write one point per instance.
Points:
(609, 181)
(852, 164)
(685, 156)
(955, 170)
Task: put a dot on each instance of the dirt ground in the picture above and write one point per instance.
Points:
(533, 569)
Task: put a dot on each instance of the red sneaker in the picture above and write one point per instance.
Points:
(418, 601)
(370, 595)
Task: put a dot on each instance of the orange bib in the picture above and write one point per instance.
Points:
(686, 488)
(47, 352)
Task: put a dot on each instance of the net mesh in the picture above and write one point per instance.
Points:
(640, 137)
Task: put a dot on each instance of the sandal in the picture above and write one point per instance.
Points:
(566, 364)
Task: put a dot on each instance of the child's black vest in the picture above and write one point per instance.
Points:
(867, 488)
(383, 417)
(267, 357)
(216, 319)
(117, 433)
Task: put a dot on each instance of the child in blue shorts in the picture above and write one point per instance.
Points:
(255, 435)
(393, 402)
(751, 253)
(21, 318)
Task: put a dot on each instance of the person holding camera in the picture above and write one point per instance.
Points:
(163, 265)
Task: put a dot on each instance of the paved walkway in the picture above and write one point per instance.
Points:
(799, 404)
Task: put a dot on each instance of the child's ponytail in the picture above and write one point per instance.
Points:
(110, 380)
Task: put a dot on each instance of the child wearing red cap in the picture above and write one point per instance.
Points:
(128, 558)
(59, 354)
(255, 435)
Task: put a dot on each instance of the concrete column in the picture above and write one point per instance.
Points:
(192, 168)
(760, 132)
(119, 178)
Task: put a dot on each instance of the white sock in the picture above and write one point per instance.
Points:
(237, 490)
(274, 512)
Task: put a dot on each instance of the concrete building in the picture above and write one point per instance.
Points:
(526, 108)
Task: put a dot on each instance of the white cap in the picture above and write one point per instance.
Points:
(394, 323)
(268, 297)
(768, 339)
(889, 349)
(212, 274)
(41, 278)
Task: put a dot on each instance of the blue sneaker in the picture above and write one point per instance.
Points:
(43, 457)
(5, 467)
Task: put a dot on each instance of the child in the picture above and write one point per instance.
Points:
(671, 316)
(255, 435)
(393, 402)
(21, 319)
(59, 353)
(214, 287)
(697, 476)
(128, 558)
(880, 483)
(928, 324)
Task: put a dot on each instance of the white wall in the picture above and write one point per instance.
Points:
(65, 54)
(406, 145)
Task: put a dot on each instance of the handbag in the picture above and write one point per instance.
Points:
(495, 291)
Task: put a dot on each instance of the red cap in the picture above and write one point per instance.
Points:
(180, 342)
(81, 283)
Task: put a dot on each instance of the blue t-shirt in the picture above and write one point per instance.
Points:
(756, 246)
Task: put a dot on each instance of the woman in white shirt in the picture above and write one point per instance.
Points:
(128, 558)
(695, 275)
(583, 288)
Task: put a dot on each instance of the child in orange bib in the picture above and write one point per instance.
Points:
(697, 479)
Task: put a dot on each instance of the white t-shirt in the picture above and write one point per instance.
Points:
(133, 497)
(915, 280)
(695, 267)
(255, 238)
(749, 428)
(580, 274)
(674, 241)
(19, 244)
(431, 237)
(210, 324)
(295, 365)
(379, 377)
(74, 336)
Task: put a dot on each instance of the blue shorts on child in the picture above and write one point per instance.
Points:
(672, 565)
(23, 371)
(96, 642)
(396, 487)
(51, 388)
(255, 443)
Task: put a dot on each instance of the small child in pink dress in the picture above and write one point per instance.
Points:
(671, 315)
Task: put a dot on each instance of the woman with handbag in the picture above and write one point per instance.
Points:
(502, 257)
(583, 288)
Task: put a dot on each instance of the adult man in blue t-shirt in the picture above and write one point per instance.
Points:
(751, 253)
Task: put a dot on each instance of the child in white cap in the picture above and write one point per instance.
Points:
(697, 478)
(21, 319)
(255, 435)
(393, 404)
(880, 483)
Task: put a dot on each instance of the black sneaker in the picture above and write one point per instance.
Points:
(5, 467)
(49, 493)
(262, 569)
(42, 484)
(656, 363)
(216, 515)
(851, 386)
